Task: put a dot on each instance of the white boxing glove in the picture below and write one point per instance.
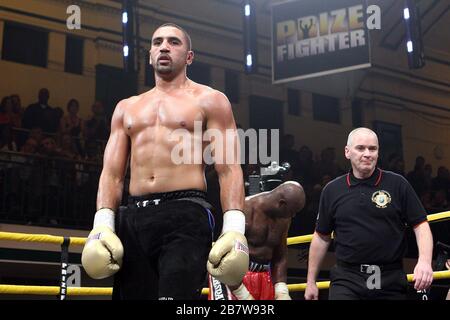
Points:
(228, 259)
(103, 252)
(242, 293)
(282, 291)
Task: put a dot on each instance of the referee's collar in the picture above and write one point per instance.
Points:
(373, 180)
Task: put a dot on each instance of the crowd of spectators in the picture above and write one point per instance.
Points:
(51, 131)
(49, 159)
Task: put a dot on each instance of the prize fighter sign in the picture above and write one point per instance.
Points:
(317, 37)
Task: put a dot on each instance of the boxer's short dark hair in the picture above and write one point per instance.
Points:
(187, 36)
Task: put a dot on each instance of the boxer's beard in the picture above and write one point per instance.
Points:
(164, 69)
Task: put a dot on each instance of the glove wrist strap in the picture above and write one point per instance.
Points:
(233, 220)
(281, 287)
(242, 293)
(104, 217)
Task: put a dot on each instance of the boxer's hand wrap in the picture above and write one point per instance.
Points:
(103, 251)
(281, 291)
(228, 259)
(242, 293)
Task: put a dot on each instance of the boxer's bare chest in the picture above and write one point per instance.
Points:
(264, 231)
(177, 111)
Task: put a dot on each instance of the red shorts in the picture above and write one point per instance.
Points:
(259, 284)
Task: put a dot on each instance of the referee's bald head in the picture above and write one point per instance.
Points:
(358, 131)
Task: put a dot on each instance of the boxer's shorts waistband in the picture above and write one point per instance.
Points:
(258, 267)
(154, 199)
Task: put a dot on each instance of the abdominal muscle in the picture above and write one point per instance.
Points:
(168, 178)
(261, 254)
(153, 170)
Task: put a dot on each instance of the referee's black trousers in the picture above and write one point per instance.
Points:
(352, 284)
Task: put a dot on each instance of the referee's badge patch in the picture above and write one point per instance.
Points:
(381, 198)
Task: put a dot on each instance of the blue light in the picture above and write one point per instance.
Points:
(247, 10)
(406, 13)
(249, 60)
(124, 17)
(125, 51)
(409, 46)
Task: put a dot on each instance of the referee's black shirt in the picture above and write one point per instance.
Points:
(369, 216)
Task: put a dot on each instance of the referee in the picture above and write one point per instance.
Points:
(368, 209)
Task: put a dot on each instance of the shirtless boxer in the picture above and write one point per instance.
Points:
(163, 241)
(268, 217)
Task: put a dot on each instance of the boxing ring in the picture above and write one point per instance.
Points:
(66, 242)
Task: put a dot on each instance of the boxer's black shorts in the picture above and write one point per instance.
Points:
(166, 246)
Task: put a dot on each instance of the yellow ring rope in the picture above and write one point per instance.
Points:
(43, 238)
(326, 284)
(76, 291)
(438, 216)
(53, 290)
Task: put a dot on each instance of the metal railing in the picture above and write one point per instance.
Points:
(46, 191)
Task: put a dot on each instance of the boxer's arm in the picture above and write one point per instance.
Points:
(227, 152)
(228, 259)
(279, 260)
(231, 187)
(115, 159)
(279, 267)
(103, 252)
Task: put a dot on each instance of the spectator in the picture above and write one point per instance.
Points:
(288, 154)
(72, 124)
(426, 198)
(391, 161)
(30, 146)
(48, 147)
(16, 118)
(97, 127)
(92, 151)
(327, 164)
(36, 134)
(417, 177)
(307, 224)
(428, 176)
(398, 166)
(17, 111)
(439, 202)
(40, 114)
(68, 148)
(6, 111)
(306, 168)
(58, 114)
(6, 139)
(52, 173)
(442, 180)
